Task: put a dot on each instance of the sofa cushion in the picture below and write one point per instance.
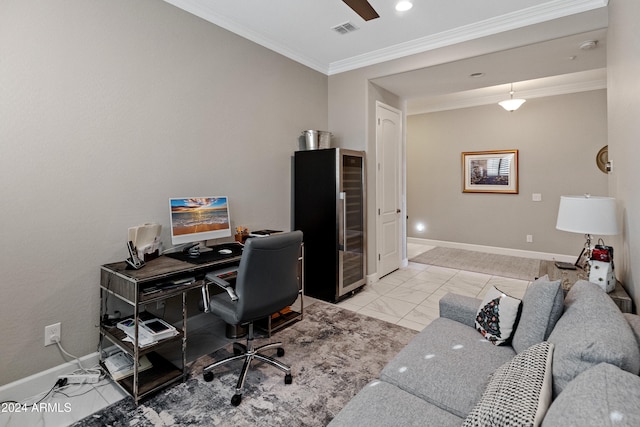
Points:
(542, 306)
(381, 404)
(519, 392)
(447, 364)
(497, 316)
(592, 330)
(604, 395)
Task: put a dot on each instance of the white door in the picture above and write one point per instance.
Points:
(388, 179)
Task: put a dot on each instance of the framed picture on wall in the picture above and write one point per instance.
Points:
(490, 171)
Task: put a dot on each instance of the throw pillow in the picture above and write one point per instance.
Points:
(498, 316)
(519, 391)
(542, 306)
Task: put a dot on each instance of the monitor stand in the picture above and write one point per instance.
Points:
(194, 250)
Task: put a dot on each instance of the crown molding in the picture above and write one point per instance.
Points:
(522, 18)
(534, 15)
(453, 102)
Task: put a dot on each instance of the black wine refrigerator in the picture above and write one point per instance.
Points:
(330, 209)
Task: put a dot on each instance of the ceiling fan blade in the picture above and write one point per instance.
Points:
(362, 8)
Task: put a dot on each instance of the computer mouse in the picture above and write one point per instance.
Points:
(225, 251)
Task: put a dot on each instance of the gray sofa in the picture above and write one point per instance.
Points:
(580, 354)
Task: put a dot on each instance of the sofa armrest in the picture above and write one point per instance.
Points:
(460, 308)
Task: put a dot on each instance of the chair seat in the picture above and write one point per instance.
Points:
(224, 308)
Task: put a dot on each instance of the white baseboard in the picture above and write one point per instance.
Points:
(23, 388)
(372, 278)
(494, 250)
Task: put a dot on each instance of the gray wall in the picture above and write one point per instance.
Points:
(557, 138)
(623, 69)
(107, 109)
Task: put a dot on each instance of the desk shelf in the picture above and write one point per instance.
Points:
(274, 324)
(159, 376)
(117, 336)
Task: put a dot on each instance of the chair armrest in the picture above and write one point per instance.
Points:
(212, 278)
(460, 308)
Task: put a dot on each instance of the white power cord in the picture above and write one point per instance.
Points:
(56, 339)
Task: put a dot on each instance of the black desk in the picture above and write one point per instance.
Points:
(129, 285)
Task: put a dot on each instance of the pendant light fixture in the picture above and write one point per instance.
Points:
(511, 104)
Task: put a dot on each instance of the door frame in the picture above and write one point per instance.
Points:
(401, 184)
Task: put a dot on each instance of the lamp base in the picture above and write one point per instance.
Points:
(583, 259)
(585, 255)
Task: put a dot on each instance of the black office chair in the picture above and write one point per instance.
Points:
(266, 283)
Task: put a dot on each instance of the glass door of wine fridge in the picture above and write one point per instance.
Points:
(351, 222)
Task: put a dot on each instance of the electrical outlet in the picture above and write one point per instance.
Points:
(50, 332)
(529, 238)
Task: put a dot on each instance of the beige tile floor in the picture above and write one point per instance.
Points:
(409, 296)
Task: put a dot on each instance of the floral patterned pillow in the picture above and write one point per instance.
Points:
(498, 316)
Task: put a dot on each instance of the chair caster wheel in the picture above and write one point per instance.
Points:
(288, 379)
(237, 351)
(208, 376)
(236, 399)
(280, 352)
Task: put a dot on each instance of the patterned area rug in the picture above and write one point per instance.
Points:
(481, 262)
(332, 352)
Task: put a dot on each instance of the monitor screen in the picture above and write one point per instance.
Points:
(195, 219)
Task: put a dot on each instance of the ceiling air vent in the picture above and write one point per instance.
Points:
(345, 28)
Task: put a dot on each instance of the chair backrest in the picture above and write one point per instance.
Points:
(267, 278)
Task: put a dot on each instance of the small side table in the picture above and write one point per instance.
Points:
(569, 277)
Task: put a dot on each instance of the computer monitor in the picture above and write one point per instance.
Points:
(196, 219)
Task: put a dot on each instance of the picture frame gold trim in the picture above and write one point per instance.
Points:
(494, 171)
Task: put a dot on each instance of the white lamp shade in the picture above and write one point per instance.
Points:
(588, 215)
(512, 104)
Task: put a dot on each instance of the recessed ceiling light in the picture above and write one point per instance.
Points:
(403, 5)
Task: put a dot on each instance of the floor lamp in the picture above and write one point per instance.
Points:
(587, 215)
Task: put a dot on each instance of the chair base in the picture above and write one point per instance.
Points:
(235, 332)
(248, 353)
